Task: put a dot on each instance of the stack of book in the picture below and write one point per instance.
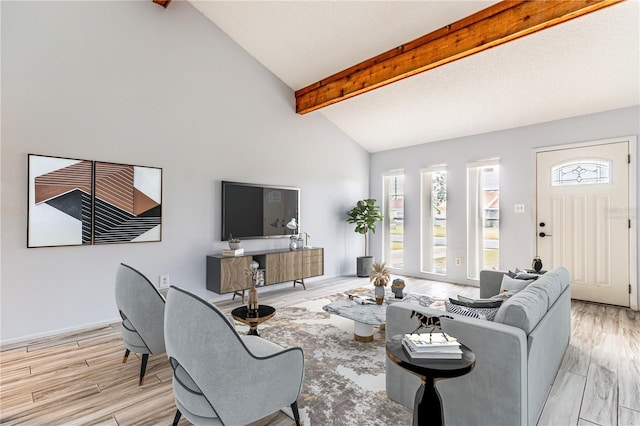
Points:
(232, 252)
(431, 346)
(362, 300)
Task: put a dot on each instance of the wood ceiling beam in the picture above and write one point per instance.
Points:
(163, 3)
(490, 27)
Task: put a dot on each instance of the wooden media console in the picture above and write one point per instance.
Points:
(225, 274)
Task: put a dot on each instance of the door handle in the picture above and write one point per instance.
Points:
(542, 235)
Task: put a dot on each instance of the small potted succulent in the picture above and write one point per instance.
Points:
(234, 243)
(379, 276)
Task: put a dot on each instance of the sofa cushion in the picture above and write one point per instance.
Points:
(524, 309)
(553, 283)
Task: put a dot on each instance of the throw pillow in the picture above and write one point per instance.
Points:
(479, 313)
(500, 296)
(503, 296)
(465, 299)
(478, 303)
(513, 285)
(527, 276)
(521, 274)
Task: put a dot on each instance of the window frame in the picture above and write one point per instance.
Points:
(476, 216)
(427, 219)
(386, 238)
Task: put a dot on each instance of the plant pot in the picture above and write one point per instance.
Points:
(364, 265)
(378, 290)
(235, 246)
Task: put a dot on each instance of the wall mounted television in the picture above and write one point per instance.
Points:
(251, 211)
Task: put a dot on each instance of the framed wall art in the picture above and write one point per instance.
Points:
(83, 202)
(60, 194)
(127, 203)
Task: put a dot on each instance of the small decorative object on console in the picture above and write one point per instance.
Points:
(293, 242)
(233, 252)
(234, 243)
(379, 276)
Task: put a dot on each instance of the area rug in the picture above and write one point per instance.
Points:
(344, 380)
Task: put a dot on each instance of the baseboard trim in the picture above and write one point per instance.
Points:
(17, 342)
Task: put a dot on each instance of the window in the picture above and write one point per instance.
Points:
(483, 217)
(394, 218)
(434, 220)
(582, 172)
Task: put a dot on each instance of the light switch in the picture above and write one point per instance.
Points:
(518, 208)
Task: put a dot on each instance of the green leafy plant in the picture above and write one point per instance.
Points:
(365, 215)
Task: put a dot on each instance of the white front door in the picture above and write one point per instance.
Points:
(583, 219)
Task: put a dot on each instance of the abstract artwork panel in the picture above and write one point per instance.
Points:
(128, 203)
(60, 191)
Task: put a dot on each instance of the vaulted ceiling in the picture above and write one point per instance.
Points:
(585, 65)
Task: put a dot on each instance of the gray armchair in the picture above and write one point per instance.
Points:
(142, 310)
(221, 377)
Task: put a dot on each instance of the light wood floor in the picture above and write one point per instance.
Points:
(78, 378)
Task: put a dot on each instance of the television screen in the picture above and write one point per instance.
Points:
(258, 211)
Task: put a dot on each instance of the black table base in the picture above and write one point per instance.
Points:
(427, 408)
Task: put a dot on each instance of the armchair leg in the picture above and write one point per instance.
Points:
(126, 355)
(176, 419)
(143, 368)
(296, 414)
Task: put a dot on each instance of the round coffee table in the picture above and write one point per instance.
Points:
(243, 315)
(427, 409)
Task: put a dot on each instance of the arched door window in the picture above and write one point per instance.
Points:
(581, 172)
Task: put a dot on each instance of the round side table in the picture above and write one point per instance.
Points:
(427, 409)
(243, 315)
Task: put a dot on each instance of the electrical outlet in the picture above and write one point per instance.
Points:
(164, 281)
(458, 261)
(518, 208)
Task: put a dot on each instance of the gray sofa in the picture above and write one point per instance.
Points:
(517, 355)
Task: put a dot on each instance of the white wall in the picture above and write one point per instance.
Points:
(131, 82)
(516, 150)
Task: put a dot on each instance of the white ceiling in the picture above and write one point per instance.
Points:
(586, 65)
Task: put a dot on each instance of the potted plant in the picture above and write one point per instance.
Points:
(234, 243)
(365, 215)
(379, 276)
